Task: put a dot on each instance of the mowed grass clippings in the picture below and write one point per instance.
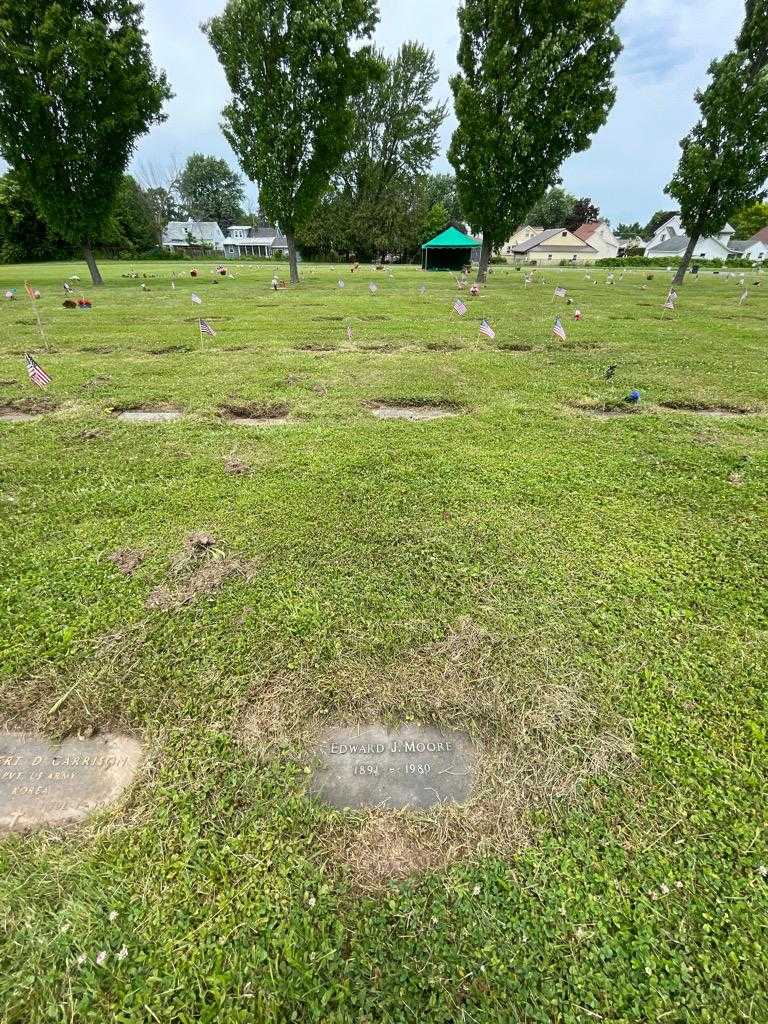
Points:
(584, 593)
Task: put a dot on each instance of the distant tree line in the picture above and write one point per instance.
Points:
(339, 138)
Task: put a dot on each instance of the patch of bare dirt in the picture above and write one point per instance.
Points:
(437, 346)
(328, 319)
(98, 349)
(413, 409)
(314, 346)
(515, 348)
(127, 560)
(22, 410)
(169, 350)
(544, 738)
(255, 414)
(235, 466)
(200, 569)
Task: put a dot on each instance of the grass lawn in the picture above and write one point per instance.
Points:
(582, 588)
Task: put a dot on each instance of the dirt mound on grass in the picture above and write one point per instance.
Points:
(515, 348)
(20, 410)
(254, 413)
(200, 569)
(604, 409)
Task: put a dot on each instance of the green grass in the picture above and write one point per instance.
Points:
(585, 593)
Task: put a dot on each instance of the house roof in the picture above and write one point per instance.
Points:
(761, 236)
(586, 231)
(675, 244)
(544, 237)
(451, 238)
(204, 230)
(279, 242)
(737, 245)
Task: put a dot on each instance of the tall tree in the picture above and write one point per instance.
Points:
(534, 84)
(440, 189)
(750, 219)
(551, 210)
(379, 190)
(77, 88)
(583, 212)
(208, 189)
(292, 72)
(724, 159)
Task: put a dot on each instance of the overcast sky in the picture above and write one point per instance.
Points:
(667, 49)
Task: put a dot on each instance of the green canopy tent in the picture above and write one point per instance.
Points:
(450, 250)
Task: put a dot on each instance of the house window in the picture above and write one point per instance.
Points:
(549, 256)
(565, 234)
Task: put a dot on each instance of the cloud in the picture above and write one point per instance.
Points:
(667, 49)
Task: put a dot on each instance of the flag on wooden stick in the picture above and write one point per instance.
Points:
(205, 328)
(487, 330)
(558, 330)
(459, 307)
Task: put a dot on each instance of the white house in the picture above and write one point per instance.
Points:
(244, 240)
(670, 239)
(183, 235)
(757, 247)
(600, 237)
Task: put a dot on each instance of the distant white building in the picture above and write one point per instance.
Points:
(244, 240)
(670, 239)
(523, 234)
(598, 234)
(757, 247)
(185, 235)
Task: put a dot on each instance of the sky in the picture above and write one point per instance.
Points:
(667, 49)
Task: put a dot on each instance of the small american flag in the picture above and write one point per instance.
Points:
(196, 299)
(36, 373)
(487, 330)
(459, 307)
(373, 288)
(205, 328)
(30, 291)
(423, 290)
(558, 330)
(560, 292)
(67, 288)
(743, 298)
(341, 283)
(671, 300)
(349, 333)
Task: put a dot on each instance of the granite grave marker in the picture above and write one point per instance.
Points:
(49, 784)
(372, 766)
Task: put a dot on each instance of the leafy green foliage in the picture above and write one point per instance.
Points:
(293, 75)
(77, 88)
(552, 210)
(208, 189)
(534, 84)
(24, 235)
(584, 211)
(381, 198)
(725, 155)
(750, 219)
(633, 230)
(440, 189)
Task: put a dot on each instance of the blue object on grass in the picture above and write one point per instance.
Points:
(633, 396)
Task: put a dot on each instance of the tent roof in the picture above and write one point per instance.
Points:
(451, 238)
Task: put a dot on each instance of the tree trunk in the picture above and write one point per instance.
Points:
(678, 278)
(89, 259)
(292, 257)
(485, 259)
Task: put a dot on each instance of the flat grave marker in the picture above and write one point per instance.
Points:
(48, 784)
(372, 766)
